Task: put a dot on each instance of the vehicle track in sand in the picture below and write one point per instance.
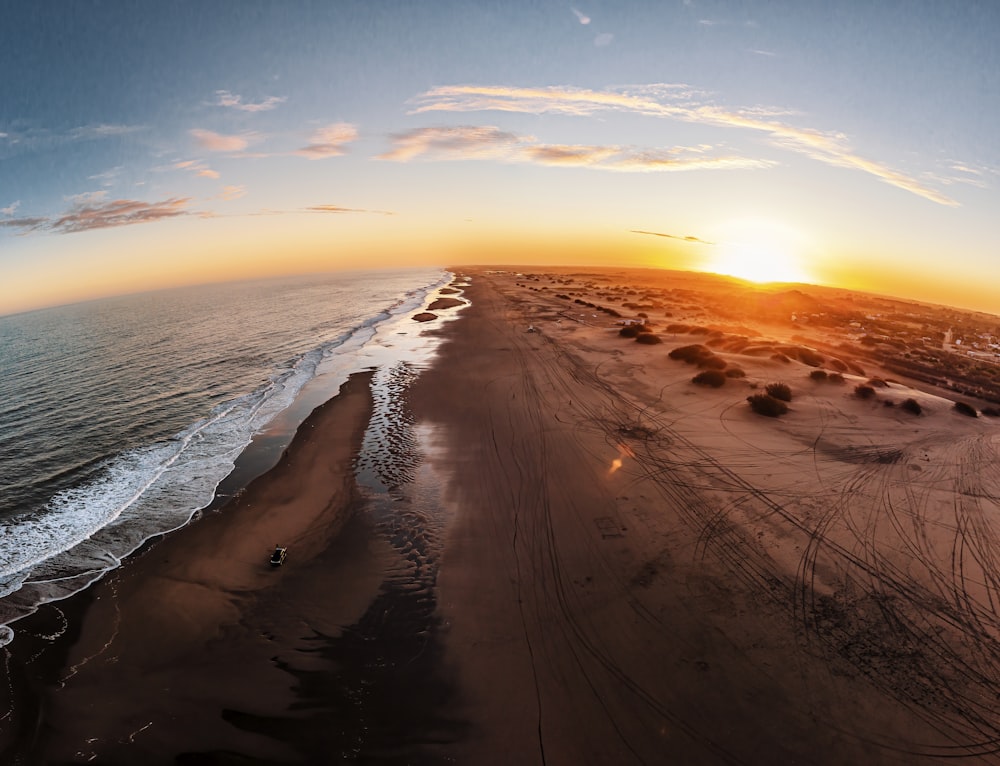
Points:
(922, 627)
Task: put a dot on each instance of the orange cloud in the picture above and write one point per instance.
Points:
(329, 141)
(671, 102)
(216, 142)
(489, 142)
(89, 211)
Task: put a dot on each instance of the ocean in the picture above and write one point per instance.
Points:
(121, 418)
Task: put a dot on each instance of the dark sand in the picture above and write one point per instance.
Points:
(577, 558)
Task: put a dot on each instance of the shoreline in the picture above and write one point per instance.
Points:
(549, 546)
(192, 595)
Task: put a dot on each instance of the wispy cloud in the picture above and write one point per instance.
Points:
(692, 240)
(676, 103)
(197, 167)
(92, 132)
(232, 192)
(339, 209)
(329, 141)
(581, 17)
(217, 142)
(9, 210)
(489, 142)
(233, 101)
(90, 211)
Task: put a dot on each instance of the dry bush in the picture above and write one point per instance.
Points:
(632, 330)
(676, 328)
(735, 372)
(691, 354)
(912, 405)
(864, 392)
(838, 365)
(712, 378)
(648, 338)
(818, 375)
(763, 404)
(712, 362)
(966, 409)
(779, 391)
(836, 377)
(991, 412)
(877, 383)
(810, 357)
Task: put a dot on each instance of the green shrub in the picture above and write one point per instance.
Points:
(864, 392)
(779, 391)
(648, 338)
(712, 378)
(966, 409)
(763, 404)
(912, 405)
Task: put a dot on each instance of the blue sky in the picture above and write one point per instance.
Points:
(147, 145)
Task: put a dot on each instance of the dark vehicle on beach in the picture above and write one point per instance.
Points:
(278, 557)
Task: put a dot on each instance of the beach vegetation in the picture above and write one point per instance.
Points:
(966, 409)
(714, 378)
(991, 412)
(836, 377)
(712, 362)
(779, 357)
(735, 372)
(779, 391)
(863, 391)
(877, 383)
(818, 375)
(691, 354)
(632, 330)
(648, 338)
(763, 404)
(912, 405)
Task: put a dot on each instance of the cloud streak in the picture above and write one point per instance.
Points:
(692, 240)
(89, 212)
(339, 209)
(329, 141)
(491, 143)
(217, 142)
(675, 102)
(233, 101)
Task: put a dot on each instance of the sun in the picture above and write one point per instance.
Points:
(758, 251)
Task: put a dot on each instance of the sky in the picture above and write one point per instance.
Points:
(149, 145)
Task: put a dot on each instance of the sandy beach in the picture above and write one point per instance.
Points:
(560, 551)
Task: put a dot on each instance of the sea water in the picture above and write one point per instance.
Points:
(119, 418)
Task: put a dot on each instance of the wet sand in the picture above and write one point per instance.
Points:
(558, 551)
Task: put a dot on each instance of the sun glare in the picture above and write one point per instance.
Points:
(759, 252)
